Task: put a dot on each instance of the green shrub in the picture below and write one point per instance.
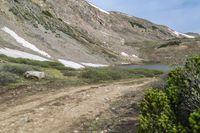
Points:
(70, 73)
(144, 72)
(133, 24)
(156, 114)
(45, 64)
(170, 43)
(194, 120)
(183, 89)
(103, 74)
(96, 75)
(47, 13)
(16, 69)
(175, 83)
(175, 105)
(7, 77)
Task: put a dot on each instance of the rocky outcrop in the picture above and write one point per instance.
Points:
(76, 30)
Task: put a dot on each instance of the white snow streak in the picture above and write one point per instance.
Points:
(94, 65)
(124, 54)
(24, 43)
(98, 8)
(135, 56)
(19, 54)
(71, 64)
(178, 34)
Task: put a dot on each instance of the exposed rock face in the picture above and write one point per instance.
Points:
(193, 34)
(76, 30)
(34, 74)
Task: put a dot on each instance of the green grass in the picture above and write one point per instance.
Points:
(57, 74)
(8, 78)
(45, 64)
(170, 43)
(112, 73)
(18, 69)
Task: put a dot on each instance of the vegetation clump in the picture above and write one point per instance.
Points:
(170, 43)
(133, 24)
(106, 74)
(47, 13)
(56, 71)
(8, 78)
(156, 114)
(194, 120)
(180, 98)
(16, 68)
(45, 64)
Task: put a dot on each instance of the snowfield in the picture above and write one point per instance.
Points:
(24, 43)
(19, 54)
(94, 65)
(135, 56)
(98, 8)
(71, 64)
(75, 65)
(124, 54)
(178, 34)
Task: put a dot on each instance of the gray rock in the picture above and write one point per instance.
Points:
(34, 74)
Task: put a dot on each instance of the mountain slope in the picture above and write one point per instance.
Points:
(75, 30)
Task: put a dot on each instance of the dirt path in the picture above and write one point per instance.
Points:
(56, 111)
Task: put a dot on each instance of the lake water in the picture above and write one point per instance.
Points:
(160, 67)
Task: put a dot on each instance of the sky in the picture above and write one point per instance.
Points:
(180, 15)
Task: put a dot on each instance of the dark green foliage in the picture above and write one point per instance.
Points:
(155, 28)
(47, 13)
(16, 1)
(60, 19)
(194, 120)
(16, 69)
(14, 11)
(183, 93)
(175, 84)
(170, 43)
(104, 74)
(184, 89)
(7, 78)
(144, 72)
(70, 73)
(133, 24)
(98, 75)
(45, 64)
(156, 114)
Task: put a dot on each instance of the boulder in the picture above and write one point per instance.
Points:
(34, 74)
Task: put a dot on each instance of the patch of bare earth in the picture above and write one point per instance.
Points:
(62, 110)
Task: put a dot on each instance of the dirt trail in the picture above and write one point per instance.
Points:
(54, 112)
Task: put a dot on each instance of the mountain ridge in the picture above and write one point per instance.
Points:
(82, 32)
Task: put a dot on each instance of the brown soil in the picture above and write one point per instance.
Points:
(57, 111)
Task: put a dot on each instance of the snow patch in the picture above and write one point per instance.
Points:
(19, 54)
(124, 63)
(135, 56)
(24, 43)
(98, 8)
(124, 54)
(178, 34)
(71, 64)
(94, 65)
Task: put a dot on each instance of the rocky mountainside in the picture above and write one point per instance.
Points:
(76, 33)
(193, 34)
